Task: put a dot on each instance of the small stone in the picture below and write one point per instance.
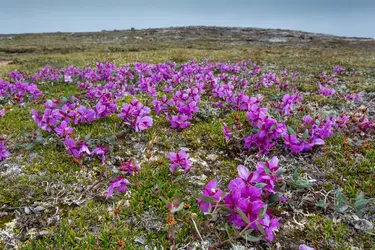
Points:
(53, 220)
(140, 240)
(211, 157)
(185, 149)
(95, 229)
(27, 210)
(32, 233)
(3, 214)
(363, 224)
(44, 233)
(202, 177)
(79, 189)
(38, 209)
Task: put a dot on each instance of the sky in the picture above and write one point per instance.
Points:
(337, 17)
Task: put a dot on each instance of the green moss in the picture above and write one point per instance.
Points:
(323, 100)
(16, 121)
(5, 219)
(205, 133)
(53, 159)
(353, 176)
(101, 128)
(91, 226)
(145, 206)
(53, 90)
(324, 233)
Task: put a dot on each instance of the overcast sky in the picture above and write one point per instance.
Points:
(337, 17)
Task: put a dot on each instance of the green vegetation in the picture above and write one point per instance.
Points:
(50, 178)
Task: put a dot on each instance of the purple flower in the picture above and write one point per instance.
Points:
(130, 167)
(51, 104)
(270, 225)
(71, 146)
(227, 132)
(353, 97)
(68, 78)
(49, 119)
(63, 130)
(84, 115)
(304, 247)
(212, 191)
(101, 152)
(250, 209)
(36, 117)
(2, 112)
(143, 123)
(179, 121)
(338, 70)
(269, 79)
(180, 159)
(267, 174)
(307, 119)
(119, 184)
(83, 148)
(287, 103)
(291, 141)
(136, 115)
(246, 175)
(4, 153)
(326, 91)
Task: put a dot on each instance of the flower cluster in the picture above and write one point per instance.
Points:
(120, 184)
(326, 90)
(18, 90)
(314, 134)
(130, 167)
(4, 153)
(180, 109)
(136, 115)
(287, 103)
(268, 132)
(249, 197)
(180, 159)
(269, 79)
(338, 70)
(183, 85)
(60, 119)
(354, 97)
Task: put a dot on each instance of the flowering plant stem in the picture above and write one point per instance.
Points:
(230, 239)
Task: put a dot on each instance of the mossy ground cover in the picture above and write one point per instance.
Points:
(76, 214)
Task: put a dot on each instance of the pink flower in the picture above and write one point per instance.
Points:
(119, 184)
(180, 159)
(67, 78)
(101, 152)
(212, 191)
(304, 247)
(270, 225)
(63, 130)
(83, 148)
(227, 132)
(4, 153)
(326, 91)
(130, 167)
(71, 146)
(179, 121)
(143, 123)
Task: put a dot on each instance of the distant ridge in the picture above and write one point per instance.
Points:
(209, 29)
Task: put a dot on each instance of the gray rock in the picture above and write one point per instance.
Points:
(212, 157)
(38, 209)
